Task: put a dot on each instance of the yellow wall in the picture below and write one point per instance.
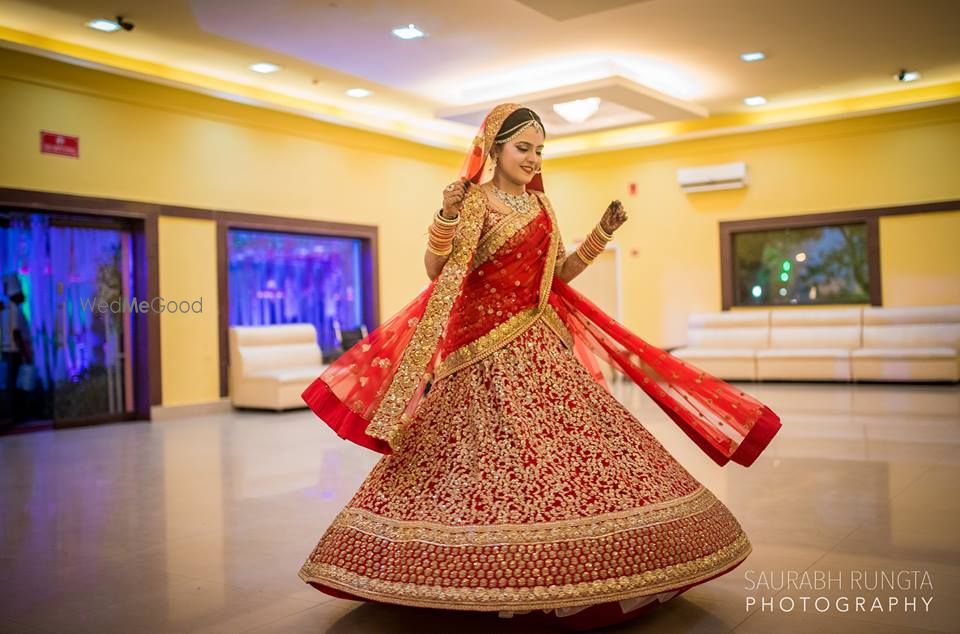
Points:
(882, 160)
(152, 143)
(920, 259)
(188, 273)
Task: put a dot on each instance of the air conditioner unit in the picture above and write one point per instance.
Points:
(710, 177)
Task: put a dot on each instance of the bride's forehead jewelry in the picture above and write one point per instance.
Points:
(516, 130)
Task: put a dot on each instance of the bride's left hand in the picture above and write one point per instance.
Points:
(613, 217)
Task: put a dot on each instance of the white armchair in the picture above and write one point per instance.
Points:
(270, 366)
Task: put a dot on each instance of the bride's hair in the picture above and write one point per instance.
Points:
(517, 120)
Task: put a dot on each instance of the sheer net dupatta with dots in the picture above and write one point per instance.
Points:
(348, 394)
(725, 422)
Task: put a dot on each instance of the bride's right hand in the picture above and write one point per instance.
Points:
(453, 195)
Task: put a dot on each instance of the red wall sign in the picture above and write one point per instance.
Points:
(61, 144)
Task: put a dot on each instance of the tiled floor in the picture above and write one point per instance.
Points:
(202, 524)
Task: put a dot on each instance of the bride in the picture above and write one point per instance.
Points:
(513, 481)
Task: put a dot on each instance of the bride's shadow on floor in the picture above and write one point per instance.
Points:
(679, 614)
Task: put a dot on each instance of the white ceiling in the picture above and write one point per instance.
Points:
(654, 60)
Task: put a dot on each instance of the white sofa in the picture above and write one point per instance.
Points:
(725, 344)
(827, 344)
(271, 366)
(917, 343)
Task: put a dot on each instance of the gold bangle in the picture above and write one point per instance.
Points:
(587, 253)
(594, 245)
(603, 234)
(434, 251)
(439, 245)
(446, 222)
(582, 258)
(441, 236)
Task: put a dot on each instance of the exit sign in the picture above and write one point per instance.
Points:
(59, 144)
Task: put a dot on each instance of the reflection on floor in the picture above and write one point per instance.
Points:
(202, 524)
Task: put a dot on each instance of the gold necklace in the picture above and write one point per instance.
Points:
(520, 203)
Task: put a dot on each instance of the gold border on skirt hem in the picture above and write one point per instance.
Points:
(700, 501)
(535, 598)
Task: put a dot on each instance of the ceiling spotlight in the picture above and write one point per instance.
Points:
(907, 75)
(755, 101)
(109, 26)
(409, 32)
(264, 68)
(752, 57)
(577, 111)
(358, 93)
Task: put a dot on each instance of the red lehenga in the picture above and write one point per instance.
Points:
(517, 482)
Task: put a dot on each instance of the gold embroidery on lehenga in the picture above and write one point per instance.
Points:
(555, 323)
(524, 484)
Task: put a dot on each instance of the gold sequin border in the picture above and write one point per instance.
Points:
(485, 345)
(555, 323)
(494, 120)
(392, 530)
(537, 597)
(387, 422)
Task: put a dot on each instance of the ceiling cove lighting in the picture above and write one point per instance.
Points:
(908, 75)
(264, 68)
(107, 26)
(577, 111)
(754, 101)
(409, 32)
(358, 93)
(756, 56)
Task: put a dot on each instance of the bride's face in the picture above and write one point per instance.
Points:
(520, 157)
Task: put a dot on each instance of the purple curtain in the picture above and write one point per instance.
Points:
(63, 271)
(282, 278)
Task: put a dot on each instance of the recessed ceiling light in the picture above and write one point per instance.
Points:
(107, 26)
(264, 67)
(752, 57)
(908, 75)
(359, 93)
(409, 32)
(754, 101)
(577, 111)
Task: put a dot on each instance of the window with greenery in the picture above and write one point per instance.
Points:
(826, 264)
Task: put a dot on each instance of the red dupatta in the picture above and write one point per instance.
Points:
(725, 422)
(492, 288)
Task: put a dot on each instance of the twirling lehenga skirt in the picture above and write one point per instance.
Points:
(522, 484)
